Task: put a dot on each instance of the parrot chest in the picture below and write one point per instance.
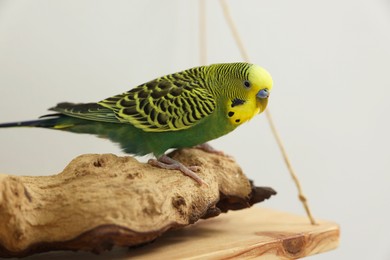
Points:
(212, 127)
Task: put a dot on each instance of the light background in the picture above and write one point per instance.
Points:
(331, 66)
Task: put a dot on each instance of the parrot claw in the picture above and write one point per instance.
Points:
(166, 162)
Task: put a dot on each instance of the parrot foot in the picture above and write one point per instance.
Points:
(166, 162)
(208, 148)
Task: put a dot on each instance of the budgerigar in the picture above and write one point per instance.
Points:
(183, 109)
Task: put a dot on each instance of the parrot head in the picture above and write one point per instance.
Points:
(245, 88)
(261, 83)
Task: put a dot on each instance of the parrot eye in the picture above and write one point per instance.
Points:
(247, 84)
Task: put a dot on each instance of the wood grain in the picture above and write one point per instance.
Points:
(249, 233)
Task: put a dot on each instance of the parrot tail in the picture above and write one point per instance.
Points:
(47, 121)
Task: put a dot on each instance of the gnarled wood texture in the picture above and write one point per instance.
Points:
(100, 201)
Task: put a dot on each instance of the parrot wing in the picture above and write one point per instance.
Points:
(169, 103)
(89, 111)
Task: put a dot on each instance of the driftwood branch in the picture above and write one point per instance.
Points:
(100, 201)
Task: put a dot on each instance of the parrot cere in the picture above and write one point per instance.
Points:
(183, 109)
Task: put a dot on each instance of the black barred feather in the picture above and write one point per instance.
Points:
(170, 103)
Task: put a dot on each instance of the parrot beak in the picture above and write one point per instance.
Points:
(262, 99)
(262, 94)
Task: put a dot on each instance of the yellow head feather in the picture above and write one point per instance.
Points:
(258, 80)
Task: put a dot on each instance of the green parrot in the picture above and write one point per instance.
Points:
(183, 109)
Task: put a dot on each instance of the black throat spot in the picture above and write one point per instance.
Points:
(237, 102)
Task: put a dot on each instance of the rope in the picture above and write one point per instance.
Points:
(279, 141)
(202, 33)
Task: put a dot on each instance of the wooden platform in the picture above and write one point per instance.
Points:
(249, 233)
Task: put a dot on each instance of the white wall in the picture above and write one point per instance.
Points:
(331, 65)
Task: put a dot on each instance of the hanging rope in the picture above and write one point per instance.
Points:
(202, 33)
(279, 141)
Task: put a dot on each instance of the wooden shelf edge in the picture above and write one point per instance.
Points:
(249, 233)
